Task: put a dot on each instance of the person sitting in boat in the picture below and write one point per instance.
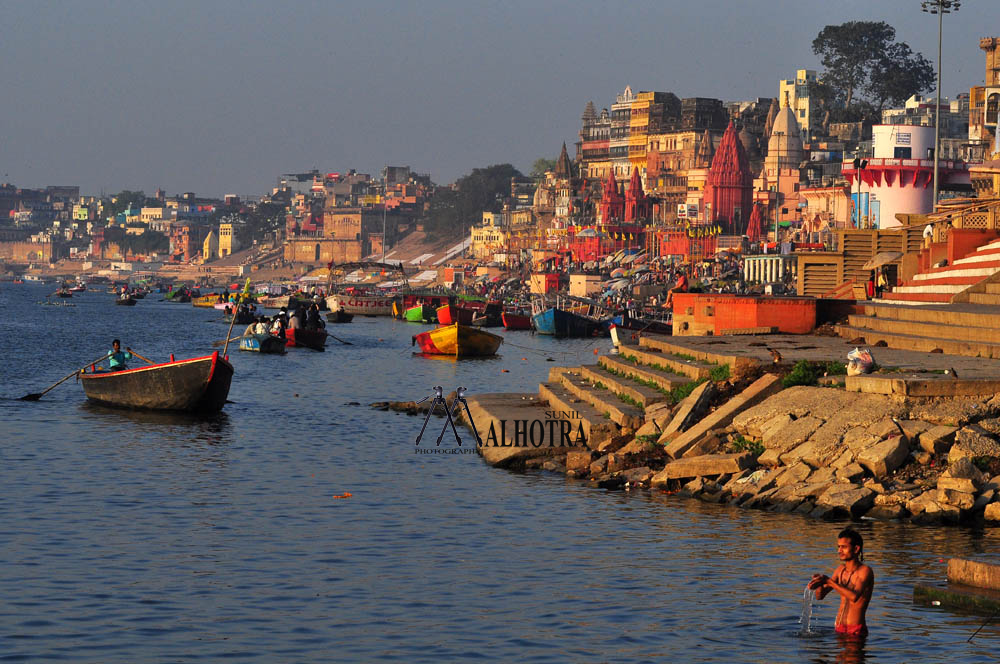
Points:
(295, 323)
(313, 319)
(118, 359)
(278, 326)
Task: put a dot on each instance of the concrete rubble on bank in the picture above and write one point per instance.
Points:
(738, 438)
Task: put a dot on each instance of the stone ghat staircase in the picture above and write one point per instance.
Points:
(941, 284)
(972, 330)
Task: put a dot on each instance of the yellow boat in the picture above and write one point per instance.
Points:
(205, 300)
(459, 341)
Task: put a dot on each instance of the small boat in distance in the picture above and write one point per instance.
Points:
(339, 317)
(125, 301)
(197, 385)
(458, 340)
(516, 319)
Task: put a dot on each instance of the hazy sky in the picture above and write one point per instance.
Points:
(219, 97)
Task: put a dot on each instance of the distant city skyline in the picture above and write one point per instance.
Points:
(222, 97)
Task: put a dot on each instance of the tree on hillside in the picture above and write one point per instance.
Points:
(542, 165)
(454, 209)
(862, 59)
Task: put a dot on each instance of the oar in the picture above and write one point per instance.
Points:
(223, 342)
(346, 343)
(38, 395)
(145, 359)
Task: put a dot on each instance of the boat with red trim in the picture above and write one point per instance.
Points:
(304, 338)
(459, 341)
(197, 385)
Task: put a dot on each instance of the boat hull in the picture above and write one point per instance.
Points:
(207, 301)
(198, 385)
(262, 343)
(513, 321)
(339, 317)
(127, 302)
(303, 338)
(363, 305)
(459, 341)
(450, 314)
(560, 323)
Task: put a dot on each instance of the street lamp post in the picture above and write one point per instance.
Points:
(385, 205)
(859, 165)
(939, 7)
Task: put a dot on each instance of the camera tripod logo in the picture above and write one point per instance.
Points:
(448, 412)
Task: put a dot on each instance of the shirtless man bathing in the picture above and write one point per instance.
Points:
(852, 580)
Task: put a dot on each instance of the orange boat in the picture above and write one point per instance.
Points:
(459, 341)
(450, 313)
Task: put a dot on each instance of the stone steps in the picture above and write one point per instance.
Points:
(920, 343)
(943, 331)
(990, 297)
(653, 358)
(703, 358)
(641, 394)
(665, 379)
(973, 317)
(595, 426)
(604, 401)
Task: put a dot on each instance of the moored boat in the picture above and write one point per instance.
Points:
(274, 302)
(207, 301)
(262, 343)
(516, 319)
(561, 323)
(453, 313)
(79, 288)
(419, 313)
(339, 317)
(125, 301)
(301, 337)
(363, 305)
(198, 385)
(459, 341)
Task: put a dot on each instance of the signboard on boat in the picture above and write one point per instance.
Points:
(363, 305)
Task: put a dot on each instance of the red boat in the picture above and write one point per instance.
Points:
(198, 385)
(315, 339)
(516, 320)
(451, 313)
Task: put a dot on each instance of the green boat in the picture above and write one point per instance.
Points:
(420, 313)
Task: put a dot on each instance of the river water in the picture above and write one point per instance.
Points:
(156, 538)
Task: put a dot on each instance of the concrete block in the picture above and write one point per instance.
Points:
(709, 464)
(848, 499)
(937, 439)
(975, 574)
(692, 407)
(578, 460)
(959, 499)
(884, 457)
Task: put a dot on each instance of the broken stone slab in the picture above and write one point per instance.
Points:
(937, 439)
(936, 512)
(599, 465)
(826, 475)
(884, 457)
(955, 412)
(793, 474)
(792, 434)
(960, 499)
(707, 444)
(579, 460)
(992, 512)
(614, 443)
(690, 409)
(887, 512)
(845, 459)
(722, 416)
(984, 499)
(844, 499)
(694, 487)
(973, 441)
(962, 484)
(708, 464)
(639, 475)
(917, 505)
(850, 473)
(964, 468)
(897, 498)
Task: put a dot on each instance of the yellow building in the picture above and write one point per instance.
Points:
(210, 247)
(489, 238)
(228, 244)
(796, 92)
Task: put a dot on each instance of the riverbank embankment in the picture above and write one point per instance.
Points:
(766, 422)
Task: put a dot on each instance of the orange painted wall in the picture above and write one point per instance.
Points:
(719, 313)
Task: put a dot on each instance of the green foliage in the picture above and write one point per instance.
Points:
(863, 58)
(741, 444)
(542, 165)
(648, 438)
(806, 372)
(630, 401)
(685, 356)
(125, 199)
(681, 392)
(453, 210)
(720, 372)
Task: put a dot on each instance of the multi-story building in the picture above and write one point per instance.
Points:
(651, 112)
(618, 143)
(984, 105)
(488, 238)
(228, 244)
(594, 147)
(795, 92)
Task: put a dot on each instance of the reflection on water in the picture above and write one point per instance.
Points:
(133, 536)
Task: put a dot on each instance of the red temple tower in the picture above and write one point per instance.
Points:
(637, 204)
(729, 188)
(612, 203)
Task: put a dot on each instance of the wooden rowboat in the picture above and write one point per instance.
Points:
(262, 343)
(197, 385)
(125, 301)
(459, 341)
(516, 320)
(207, 301)
(339, 317)
(301, 337)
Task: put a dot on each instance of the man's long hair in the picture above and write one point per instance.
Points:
(856, 540)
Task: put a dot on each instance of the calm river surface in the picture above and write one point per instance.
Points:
(151, 538)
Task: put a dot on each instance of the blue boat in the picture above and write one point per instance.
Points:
(262, 343)
(560, 323)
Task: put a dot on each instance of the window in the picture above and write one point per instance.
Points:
(901, 153)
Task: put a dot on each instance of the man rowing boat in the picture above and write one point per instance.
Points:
(853, 581)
